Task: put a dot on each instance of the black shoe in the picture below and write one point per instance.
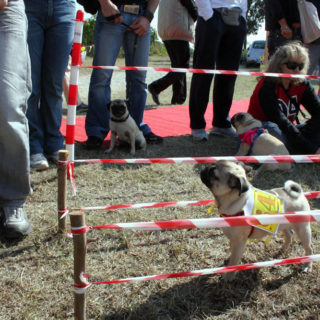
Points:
(93, 143)
(151, 138)
(154, 94)
(82, 107)
(178, 101)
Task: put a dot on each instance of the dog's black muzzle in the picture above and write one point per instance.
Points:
(237, 117)
(118, 110)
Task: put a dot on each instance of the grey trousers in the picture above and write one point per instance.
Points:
(15, 88)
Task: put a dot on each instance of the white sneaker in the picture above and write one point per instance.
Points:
(199, 135)
(15, 222)
(223, 132)
(38, 162)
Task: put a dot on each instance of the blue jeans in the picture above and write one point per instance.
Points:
(109, 37)
(50, 36)
(15, 88)
(274, 130)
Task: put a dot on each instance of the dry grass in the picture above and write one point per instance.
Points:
(37, 272)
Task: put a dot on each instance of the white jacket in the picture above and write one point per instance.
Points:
(174, 21)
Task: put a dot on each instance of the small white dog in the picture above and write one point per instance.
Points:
(229, 185)
(122, 125)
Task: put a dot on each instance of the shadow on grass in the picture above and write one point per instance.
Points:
(206, 295)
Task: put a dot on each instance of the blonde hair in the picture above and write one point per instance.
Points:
(291, 51)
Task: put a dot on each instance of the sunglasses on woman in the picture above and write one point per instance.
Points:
(294, 65)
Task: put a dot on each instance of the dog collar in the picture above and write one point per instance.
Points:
(120, 120)
(237, 214)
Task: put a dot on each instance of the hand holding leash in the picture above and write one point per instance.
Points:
(140, 26)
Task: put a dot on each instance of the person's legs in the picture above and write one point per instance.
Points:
(314, 55)
(274, 130)
(228, 59)
(136, 54)
(57, 46)
(15, 87)
(108, 40)
(178, 51)
(180, 59)
(36, 36)
(204, 57)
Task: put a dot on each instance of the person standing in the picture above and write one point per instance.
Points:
(15, 88)
(50, 36)
(314, 47)
(175, 28)
(282, 22)
(220, 33)
(120, 23)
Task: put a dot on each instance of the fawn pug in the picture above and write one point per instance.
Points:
(122, 125)
(256, 141)
(229, 185)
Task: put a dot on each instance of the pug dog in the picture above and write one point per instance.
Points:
(264, 143)
(229, 185)
(122, 125)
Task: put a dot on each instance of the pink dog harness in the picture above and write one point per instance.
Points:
(250, 136)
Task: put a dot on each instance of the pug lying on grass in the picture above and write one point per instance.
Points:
(257, 142)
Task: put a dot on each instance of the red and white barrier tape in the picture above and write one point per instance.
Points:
(73, 88)
(313, 158)
(149, 205)
(207, 71)
(80, 289)
(263, 219)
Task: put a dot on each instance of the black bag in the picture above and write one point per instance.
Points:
(90, 6)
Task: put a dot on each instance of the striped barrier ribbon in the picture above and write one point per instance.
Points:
(64, 212)
(206, 71)
(273, 263)
(246, 159)
(207, 223)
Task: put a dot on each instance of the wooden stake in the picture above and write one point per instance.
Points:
(79, 253)
(62, 190)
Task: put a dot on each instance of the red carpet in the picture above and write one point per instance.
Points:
(165, 122)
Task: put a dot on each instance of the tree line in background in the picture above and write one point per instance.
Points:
(255, 16)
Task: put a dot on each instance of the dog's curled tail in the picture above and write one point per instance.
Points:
(293, 189)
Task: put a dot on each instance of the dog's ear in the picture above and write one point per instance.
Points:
(246, 168)
(109, 105)
(206, 175)
(239, 183)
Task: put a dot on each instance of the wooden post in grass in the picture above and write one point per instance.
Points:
(62, 189)
(79, 254)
